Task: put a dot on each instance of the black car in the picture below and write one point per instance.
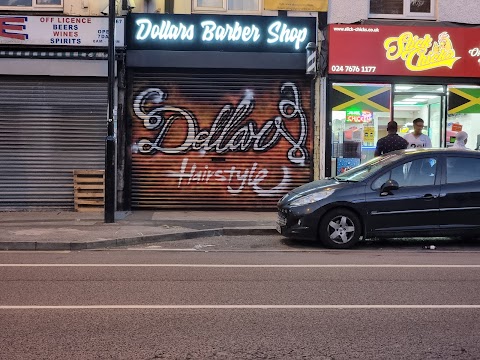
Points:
(406, 193)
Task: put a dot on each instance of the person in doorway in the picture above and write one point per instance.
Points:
(460, 141)
(391, 142)
(416, 139)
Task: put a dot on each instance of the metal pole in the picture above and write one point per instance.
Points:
(109, 210)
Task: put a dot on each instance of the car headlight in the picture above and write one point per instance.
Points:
(311, 198)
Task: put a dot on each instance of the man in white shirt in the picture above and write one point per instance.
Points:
(460, 141)
(416, 139)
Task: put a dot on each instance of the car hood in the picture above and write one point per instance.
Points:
(312, 187)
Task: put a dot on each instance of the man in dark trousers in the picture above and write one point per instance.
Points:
(391, 142)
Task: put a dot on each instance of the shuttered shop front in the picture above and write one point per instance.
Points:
(202, 140)
(49, 128)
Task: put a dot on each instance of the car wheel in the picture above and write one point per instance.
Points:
(340, 229)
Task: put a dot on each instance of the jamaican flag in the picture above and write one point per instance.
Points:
(375, 98)
(463, 100)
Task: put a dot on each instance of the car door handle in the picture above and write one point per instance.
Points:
(428, 197)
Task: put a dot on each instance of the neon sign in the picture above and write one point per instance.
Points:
(280, 32)
(165, 31)
(215, 32)
(212, 31)
(419, 53)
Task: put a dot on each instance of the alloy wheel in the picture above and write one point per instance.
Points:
(341, 229)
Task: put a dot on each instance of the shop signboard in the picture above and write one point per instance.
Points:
(359, 116)
(404, 51)
(220, 33)
(296, 5)
(52, 30)
(456, 127)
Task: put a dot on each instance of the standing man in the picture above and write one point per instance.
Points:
(460, 141)
(392, 141)
(416, 139)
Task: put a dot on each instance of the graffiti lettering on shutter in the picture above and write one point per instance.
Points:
(231, 131)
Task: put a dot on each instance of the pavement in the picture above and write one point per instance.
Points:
(69, 230)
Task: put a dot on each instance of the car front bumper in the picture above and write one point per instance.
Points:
(298, 223)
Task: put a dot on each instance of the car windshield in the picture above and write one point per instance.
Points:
(361, 172)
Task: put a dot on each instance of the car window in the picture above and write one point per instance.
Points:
(369, 168)
(462, 169)
(420, 172)
(398, 173)
(377, 184)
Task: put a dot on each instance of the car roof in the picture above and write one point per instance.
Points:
(437, 151)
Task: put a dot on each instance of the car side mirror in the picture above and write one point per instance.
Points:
(388, 187)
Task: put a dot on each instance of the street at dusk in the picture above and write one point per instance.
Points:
(151, 302)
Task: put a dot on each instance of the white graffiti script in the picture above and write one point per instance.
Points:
(230, 131)
(475, 52)
(252, 176)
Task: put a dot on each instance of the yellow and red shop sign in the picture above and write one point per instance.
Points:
(404, 51)
(357, 116)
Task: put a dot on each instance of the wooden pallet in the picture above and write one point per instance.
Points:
(89, 190)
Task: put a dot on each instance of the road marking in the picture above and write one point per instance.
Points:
(181, 307)
(159, 248)
(4, 252)
(249, 266)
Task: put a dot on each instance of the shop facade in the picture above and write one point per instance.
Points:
(378, 73)
(53, 96)
(219, 110)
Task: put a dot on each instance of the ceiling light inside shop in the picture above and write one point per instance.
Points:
(405, 103)
(402, 87)
(464, 86)
(425, 96)
(415, 99)
(409, 100)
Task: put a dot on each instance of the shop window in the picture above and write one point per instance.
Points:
(420, 101)
(227, 6)
(360, 113)
(464, 114)
(31, 4)
(402, 9)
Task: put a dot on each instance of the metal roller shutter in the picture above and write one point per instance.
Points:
(49, 127)
(237, 141)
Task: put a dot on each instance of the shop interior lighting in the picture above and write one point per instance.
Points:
(424, 96)
(409, 100)
(464, 86)
(414, 99)
(402, 87)
(405, 103)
